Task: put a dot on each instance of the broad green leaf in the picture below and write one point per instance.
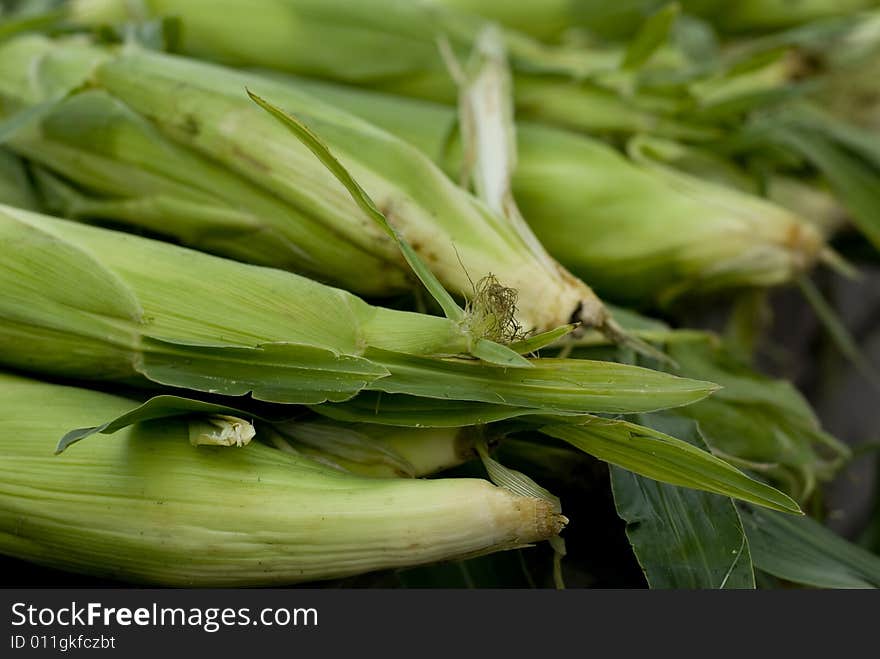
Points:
(411, 411)
(656, 455)
(682, 538)
(338, 440)
(568, 385)
(802, 550)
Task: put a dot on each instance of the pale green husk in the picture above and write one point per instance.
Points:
(91, 303)
(380, 451)
(145, 506)
(176, 147)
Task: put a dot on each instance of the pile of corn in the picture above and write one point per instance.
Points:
(276, 275)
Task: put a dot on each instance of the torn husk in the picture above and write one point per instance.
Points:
(220, 430)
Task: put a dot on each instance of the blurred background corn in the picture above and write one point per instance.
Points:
(638, 231)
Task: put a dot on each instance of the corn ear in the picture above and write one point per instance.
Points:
(182, 151)
(91, 303)
(242, 517)
(644, 231)
(378, 451)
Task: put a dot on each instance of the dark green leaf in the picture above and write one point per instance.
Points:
(272, 372)
(568, 385)
(411, 411)
(681, 537)
(802, 550)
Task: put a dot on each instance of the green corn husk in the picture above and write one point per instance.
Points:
(241, 517)
(399, 46)
(428, 440)
(175, 146)
(544, 19)
(637, 230)
(379, 451)
(90, 303)
(762, 424)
